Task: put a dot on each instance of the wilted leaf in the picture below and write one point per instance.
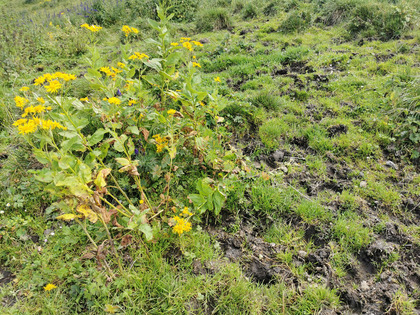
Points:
(111, 309)
(68, 217)
(88, 213)
(126, 240)
(88, 255)
(145, 133)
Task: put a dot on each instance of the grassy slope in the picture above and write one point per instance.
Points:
(334, 228)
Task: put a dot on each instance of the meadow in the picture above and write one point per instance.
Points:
(209, 157)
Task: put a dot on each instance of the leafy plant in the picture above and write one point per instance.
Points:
(113, 158)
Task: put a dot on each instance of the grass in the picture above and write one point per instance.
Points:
(291, 73)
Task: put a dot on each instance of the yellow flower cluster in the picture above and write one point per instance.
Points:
(110, 72)
(181, 225)
(138, 55)
(187, 43)
(53, 80)
(35, 110)
(128, 30)
(92, 28)
(161, 142)
(20, 101)
(114, 100)
(196, 64)
(31, 125)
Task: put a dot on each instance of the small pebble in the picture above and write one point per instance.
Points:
(284, 169)
(302, 254)
(363, 184)
(364, 286)
(391, 165)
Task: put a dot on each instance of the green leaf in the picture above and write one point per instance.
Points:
(67, 162)
(133, 130)
(173, 58)
(44, 175)
(147, 231)
(154, 64)
(119, 143)
(203, 187)
(97, 136)
(74, 143)
(41, 156)
(94, 73)
(218, 200)
(123, 161)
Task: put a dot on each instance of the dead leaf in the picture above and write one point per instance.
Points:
(116, 224)
(145, 133)
(126, 240)
(88, 255)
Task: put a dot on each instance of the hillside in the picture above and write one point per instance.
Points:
(209, 157)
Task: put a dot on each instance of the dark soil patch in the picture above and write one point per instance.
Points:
(257, 257)
(337, 130)
(6, 277)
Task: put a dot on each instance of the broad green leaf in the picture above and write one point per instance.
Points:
(133, 130)
(218, 200)
(41, 156)
(123, 161)
(67, 162)
(94, 73)
(74, 143)
(147, 231)
(97, 136)
(119, 143)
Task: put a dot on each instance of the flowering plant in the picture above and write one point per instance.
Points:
(122, 156)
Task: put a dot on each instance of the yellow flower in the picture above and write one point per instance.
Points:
(217, 79)
(132, 102)
(141, 201)
(33, 110)
(85, 99)
(197, 43)
(41, 100)
(186, 212)
(138, 55)
(181, 225)
(116, 70)
(20, 122)
(134, 30)
(114, 100)
(121, 65)
(92, 28)
(29, 127)
(20, 101)
(196, 64)
(161, 142)
(39, 81)
(24, 89)
(174, 44)
(171, 111)
(126, 29)
(49, 287)
(53, 87)
(185, 39)
(187, 45)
